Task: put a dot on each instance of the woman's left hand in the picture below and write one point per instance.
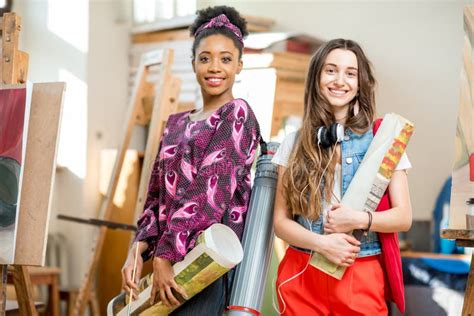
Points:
(164, 283)
(343, 219)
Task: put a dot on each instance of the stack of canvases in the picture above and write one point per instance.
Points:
(174, 34)
(282, 59)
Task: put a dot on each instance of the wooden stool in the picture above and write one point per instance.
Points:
(70, 296)
(45, 276)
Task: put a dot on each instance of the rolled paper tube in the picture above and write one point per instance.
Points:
(218, 250)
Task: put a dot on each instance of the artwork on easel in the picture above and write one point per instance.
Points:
(462, 192)
(12, 131)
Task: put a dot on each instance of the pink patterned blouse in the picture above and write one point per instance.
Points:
(200, 177)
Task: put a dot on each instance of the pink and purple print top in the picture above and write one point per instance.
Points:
(200, 177)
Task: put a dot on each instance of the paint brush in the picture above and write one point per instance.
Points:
(133, 278)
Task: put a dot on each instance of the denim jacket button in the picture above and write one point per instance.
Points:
(346, 138)
(348, 160)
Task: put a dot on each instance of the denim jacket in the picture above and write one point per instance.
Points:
(353, 149)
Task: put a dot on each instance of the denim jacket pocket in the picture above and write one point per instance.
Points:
(359, 157)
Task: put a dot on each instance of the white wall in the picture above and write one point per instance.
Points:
(107, 74)
(416, 50)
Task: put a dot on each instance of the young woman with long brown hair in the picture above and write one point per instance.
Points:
(316, 167)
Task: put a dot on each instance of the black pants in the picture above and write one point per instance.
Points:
(211, 301)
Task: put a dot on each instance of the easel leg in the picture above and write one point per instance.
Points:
(23, 290)
(468, 307)
(3, 289)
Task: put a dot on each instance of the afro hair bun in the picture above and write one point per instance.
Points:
(205, 15)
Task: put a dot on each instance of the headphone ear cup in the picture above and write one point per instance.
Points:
(333, 133)
(326, 137)
(322, 137)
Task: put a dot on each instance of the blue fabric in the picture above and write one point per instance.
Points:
(454, 266)
(441, 221)
(427, 272)
(353, 149)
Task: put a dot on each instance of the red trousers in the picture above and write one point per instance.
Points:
(360, 292)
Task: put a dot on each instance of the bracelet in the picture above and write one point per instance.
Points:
(366, 231)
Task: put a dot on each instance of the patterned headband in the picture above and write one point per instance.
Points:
(221, 21)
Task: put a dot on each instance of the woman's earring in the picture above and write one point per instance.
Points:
(356, 106)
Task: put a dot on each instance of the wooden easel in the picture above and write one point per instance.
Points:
(14, 65)
(140, 111)
(462, 185)
(14, 69)
(38, 166)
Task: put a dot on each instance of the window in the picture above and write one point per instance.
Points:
(146, 11)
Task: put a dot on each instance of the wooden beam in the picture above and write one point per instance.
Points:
(457, 234)
(161, 36)
(3, 288)
(146, 104)
(469, 20)
(14, 64)
(464, 243)
(10, 35)
(432, 255)
(21, 67)
(165, 104)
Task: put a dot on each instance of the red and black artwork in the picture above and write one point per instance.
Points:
(12, 118)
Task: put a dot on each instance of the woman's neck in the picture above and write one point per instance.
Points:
(211, 103)
(341, 114)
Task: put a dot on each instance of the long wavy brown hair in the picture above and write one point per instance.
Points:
(308, 160)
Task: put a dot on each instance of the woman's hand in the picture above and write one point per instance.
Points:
(127, 269)
(343, 219)
(341, 249)
(163, 283)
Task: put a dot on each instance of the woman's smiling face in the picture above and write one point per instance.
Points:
(216, 64)
(339, 81)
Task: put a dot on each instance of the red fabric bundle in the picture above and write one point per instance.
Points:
(391, 259)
